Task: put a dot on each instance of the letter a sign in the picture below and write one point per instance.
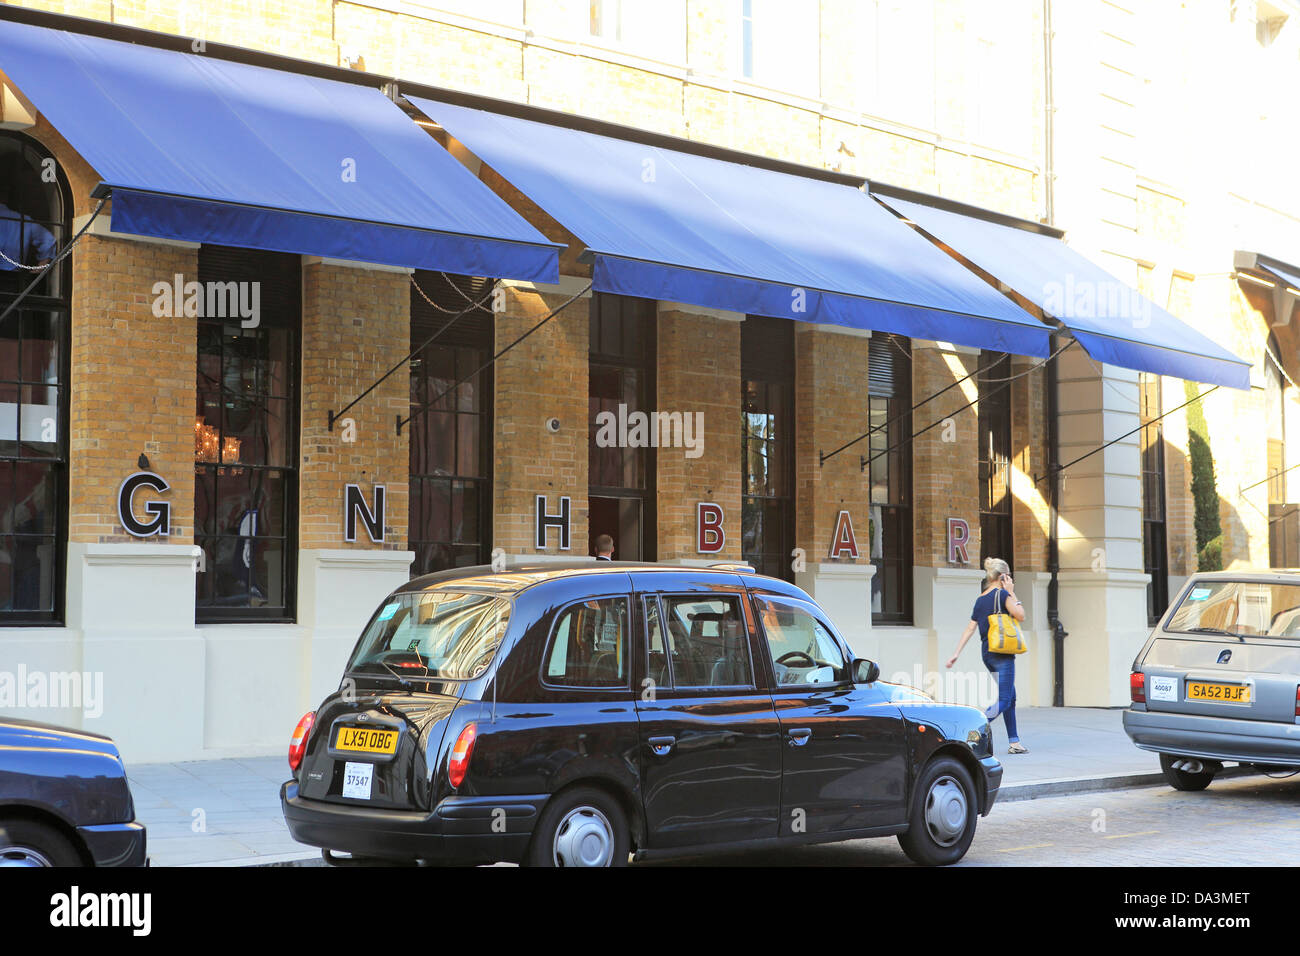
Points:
(843, 543)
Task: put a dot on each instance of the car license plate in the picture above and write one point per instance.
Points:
(366, 740)
(1224, 693)
(358, 778)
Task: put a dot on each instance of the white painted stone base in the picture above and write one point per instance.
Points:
(174, 691)
(1099, 610)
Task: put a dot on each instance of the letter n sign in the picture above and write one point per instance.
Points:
(546, 520)
(710, 537)
(354, 506)
(958, 538)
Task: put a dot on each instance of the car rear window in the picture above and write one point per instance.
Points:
(1239, 609)
(442, 634)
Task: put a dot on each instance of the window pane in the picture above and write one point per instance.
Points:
(803, 651)
(657, 666)
(589, 645)
(35, 508)
(708, 643)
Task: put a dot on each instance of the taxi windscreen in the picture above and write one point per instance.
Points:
(1239, 609)
(435, 634)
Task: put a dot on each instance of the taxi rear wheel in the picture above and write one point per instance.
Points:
(944, 811)
(580, 827)
(1181, 779)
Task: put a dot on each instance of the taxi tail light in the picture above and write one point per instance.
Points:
(1137, 687)
(298, 742)
(1297, 701)
(458, 762)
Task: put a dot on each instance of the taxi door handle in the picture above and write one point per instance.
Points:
(799, 736)
(660, 746)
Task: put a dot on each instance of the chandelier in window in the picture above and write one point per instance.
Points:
(211, 447)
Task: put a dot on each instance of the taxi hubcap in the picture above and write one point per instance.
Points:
(945, 811)
(584, 838)
(22, 856)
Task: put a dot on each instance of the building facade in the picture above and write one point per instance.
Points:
(294, 502)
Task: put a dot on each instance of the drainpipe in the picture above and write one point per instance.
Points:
(1053, 394)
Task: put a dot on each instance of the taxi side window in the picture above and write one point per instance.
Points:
(708, 645)
(589, 645)
(803, 650)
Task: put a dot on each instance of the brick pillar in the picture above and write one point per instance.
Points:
(543, 377)
(945, 484)
(699, 371)
(356, 325)
(831, 407)
(1031, 524)
(133, 379)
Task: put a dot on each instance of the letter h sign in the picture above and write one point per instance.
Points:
(546, 520)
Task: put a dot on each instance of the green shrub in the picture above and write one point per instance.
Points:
(1210, 557)
(1205, 492)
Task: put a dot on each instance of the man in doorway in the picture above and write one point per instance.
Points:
(604, 548)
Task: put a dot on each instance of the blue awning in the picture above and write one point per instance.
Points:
(671, 225)
(207, 150)
(1288, 275)
(1114, 323)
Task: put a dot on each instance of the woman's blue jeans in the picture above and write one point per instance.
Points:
(1004, 666)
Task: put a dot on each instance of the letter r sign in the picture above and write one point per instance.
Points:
(958, 538)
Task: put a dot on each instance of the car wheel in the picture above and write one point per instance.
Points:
(28, 843)
(580, 827)
(1181, 779)
(944, 810)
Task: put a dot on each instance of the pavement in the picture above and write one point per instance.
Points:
(227, 812)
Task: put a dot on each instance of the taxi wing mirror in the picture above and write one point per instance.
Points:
(865, 671)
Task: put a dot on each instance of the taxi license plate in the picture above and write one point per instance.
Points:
(1223, 693)
(366, 740)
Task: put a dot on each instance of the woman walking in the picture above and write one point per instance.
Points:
(998, 596)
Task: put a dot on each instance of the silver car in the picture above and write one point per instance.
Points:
(1219, 678)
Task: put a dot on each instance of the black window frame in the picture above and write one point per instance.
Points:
(40, 300)
(607, 353)
(463, 336)
(995, 448)
(767, 350)
(1155, 539)
(284, 313)
(889, 397)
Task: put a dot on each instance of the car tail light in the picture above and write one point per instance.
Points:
(1137, 687)
(298, 742)
(458, 763)
(1297, 701)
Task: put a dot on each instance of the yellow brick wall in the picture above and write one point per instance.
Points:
(1030, 514)
(831, 407)
(543, 377)
(945, 475)
(699, 370)
(133, 376)
(355, 327)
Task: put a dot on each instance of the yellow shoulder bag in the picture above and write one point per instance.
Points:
(1004, 635)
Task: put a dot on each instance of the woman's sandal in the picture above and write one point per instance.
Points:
(1016, 748)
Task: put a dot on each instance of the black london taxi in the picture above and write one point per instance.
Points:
(581, 713)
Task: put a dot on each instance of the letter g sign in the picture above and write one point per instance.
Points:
(161, 511)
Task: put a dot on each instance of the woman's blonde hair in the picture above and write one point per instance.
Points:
(994, 568)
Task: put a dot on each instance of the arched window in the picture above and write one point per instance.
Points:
(34, 209)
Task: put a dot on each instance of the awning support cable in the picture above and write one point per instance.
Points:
(335, 416)
(1277, 474)
(1131, 431)
(402, 422)
(53, 262)
(827, 456)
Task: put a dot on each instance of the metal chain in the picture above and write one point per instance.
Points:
(59, 257)
(476, 305)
